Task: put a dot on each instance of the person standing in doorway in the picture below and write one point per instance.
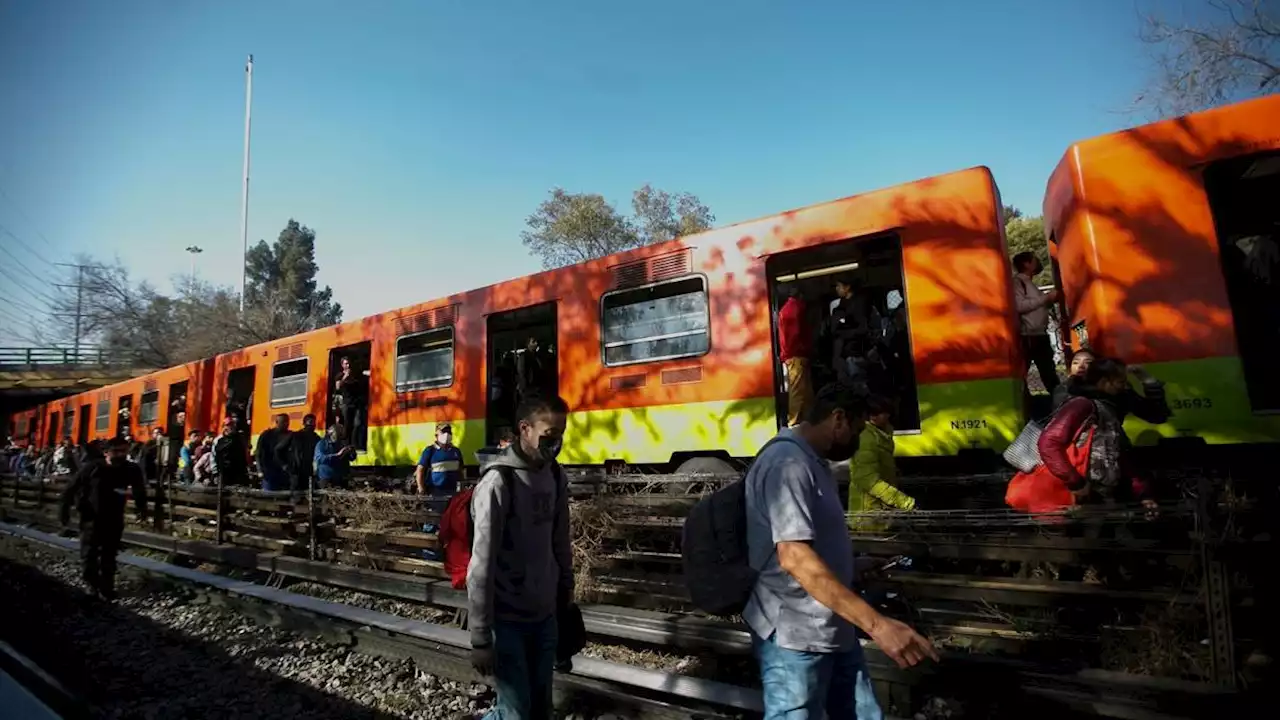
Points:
(98, 492)
(352, 389)
(795, 345)
(521, 572)
(1033, 318)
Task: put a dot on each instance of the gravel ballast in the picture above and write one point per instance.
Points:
(155, 654)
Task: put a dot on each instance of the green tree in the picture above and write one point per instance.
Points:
(1230, 53)
(570, 228)
(1024, 234)
(282, 296)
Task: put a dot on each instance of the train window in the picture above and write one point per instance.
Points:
(424, 360)
(657, 322)
(68, 423)
(289, 383)
(149, 408)
(102, 416)
(21, 430)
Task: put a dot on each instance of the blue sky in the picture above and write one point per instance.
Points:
(416, 136)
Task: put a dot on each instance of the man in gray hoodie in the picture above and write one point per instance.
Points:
(521, 570)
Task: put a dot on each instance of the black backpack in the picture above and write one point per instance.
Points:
(713, 547)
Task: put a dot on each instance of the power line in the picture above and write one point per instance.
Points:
(20, 304)
(21, 284)
(18, 260)
(26, 217)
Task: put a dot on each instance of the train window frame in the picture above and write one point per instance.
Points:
(68, 422)
(276, 402)
(603, 308)
(102, 416)
(406, 386)
(144, 418)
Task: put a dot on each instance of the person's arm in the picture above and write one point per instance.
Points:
(489, 512)
(70, 494)
(420, 472)
(1024, 300)
(896, 639)
(1059, 435)
(560, 541)
(1149, 405)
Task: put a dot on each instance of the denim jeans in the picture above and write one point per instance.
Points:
(803, 685)
(524, 657)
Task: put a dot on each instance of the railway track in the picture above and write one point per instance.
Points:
(960, 590)
(637, 691)
(594, 684)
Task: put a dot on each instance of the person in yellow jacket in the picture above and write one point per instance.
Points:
(872, 472)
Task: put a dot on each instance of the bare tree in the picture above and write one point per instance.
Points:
(1232, 55)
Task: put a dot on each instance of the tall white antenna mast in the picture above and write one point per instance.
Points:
(244, 197)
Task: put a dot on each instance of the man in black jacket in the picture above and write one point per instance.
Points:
(98, 492)
(296, 453)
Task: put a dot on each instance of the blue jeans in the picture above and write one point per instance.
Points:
(524, 657)
(802, 685)
(274, 479)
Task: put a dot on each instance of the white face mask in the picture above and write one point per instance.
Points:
(444, 438)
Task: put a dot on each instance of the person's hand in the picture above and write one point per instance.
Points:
(1152, 508)
(902, 644)
(1053, 296)
(482, 659)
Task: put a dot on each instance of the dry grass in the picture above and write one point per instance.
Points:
(589, 526)
(1165, 643)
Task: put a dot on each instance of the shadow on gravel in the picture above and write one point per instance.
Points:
(125, 665)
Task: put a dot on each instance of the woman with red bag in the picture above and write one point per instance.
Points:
(1093, 419)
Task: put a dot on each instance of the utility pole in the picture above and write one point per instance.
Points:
(244, 197)
(79, 314)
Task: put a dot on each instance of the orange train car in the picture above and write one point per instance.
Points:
(153, 400)
(1166, 240)
(667, 353)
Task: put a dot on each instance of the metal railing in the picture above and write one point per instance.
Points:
(32, 358)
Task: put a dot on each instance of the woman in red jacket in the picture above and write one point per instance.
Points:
(1094, 417)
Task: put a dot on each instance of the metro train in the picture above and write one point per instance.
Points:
(667, 354)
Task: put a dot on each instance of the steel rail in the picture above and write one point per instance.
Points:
(444, 650)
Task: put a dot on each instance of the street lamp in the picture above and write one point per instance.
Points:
(194, 250)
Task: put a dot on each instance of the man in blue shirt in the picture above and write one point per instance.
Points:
(441, 462)
(333, 459)
(804, 610)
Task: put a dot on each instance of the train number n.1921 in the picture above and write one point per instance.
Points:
(968, 424)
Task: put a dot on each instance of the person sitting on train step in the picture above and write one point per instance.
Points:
(230, 455)
(98, 492)
(296, 454)
(803, 613)
(1033, 317)
(521, 572)
(333, 458)
(442, 461)
(795, 345)
(873, 474)
(274, 476)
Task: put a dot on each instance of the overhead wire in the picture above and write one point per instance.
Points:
(26, 217)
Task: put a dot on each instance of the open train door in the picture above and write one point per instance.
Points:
(349, 400)
(522, 359)
(82, 432)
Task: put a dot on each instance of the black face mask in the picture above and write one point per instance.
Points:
(549, 447)
(839, 452)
